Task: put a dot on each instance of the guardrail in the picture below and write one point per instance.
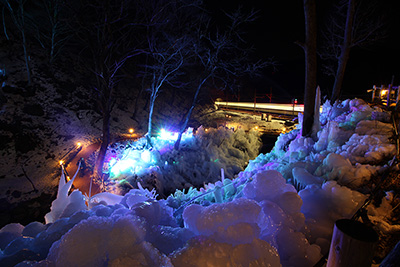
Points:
(286, 109)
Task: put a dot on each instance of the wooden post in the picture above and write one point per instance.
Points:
(388, 95)
(373, 93)
(398, 94)
(352, 244)
(263, 116)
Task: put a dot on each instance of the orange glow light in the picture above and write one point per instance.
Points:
(61, 162)
(131, 130)
(78, 144)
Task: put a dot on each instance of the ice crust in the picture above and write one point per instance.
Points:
(254, 219)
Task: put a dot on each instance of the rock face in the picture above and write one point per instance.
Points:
(26, 211)
(33, 110)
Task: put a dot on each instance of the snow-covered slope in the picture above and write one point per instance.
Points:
(255, 219)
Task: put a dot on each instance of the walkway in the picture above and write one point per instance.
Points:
(82, 182)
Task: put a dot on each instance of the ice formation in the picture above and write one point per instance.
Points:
(65, 205)
(352, 145)
(254, 219)
(251, 229)
(199, 160)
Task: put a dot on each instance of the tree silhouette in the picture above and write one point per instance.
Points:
(310, 50)
(105, 33)
(18, 15)
(220, 56)
(359, 27)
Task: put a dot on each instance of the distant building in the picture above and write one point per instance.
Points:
(388, 95)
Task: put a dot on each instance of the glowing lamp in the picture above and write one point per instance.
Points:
(78, 144)
(146, 156)
(112, 162)
(61, 162)
(166, 135)
(131, 130)
(256, 127)
(122, 166)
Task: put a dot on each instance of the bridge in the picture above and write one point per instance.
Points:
(282, 109)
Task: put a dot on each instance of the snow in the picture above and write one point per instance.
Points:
(254, 218)
(200, 158)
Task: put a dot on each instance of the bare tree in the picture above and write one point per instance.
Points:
(18, 15)
(360, 26)
(57, 32)
(166, 66)
(310, 50)
(220, 56)
(105, 32)
(166, 48)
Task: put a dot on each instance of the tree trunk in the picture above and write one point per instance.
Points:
(53, 44)
(28, 69)
(344, 51)
(185, 123)
(24, 44)
(4, 24)
(310, 50)
(105, 140)
(149, 127)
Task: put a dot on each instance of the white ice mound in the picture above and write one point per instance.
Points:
(65, 205)
(207, 252)
(266, 186)
(222, 218)
(303, 177)
(120, 241)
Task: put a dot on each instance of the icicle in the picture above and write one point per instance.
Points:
(62, 181)
(140, 186)
(62, 200)
(316, 125)
(222, 180)
(218, 195)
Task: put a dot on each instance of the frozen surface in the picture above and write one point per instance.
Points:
(256, 218)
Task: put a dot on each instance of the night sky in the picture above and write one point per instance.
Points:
(281, 24)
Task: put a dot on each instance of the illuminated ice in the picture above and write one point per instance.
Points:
(146, 156)
(123, 165)
(243, 221)
(173, 136)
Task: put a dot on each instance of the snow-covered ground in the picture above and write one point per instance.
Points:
(256, 218)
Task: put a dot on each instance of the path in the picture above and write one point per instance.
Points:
(82, 182)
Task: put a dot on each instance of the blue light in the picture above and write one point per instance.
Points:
(112, 162)
(123, 166)
(173, 136)
(167, 135)
(146, 156)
